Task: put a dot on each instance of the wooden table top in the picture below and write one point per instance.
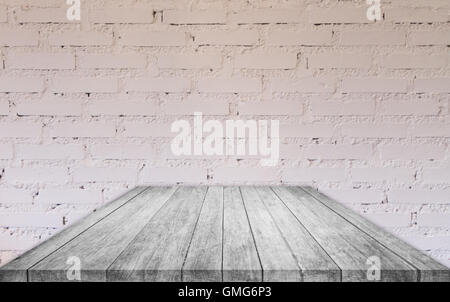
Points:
(224, 234)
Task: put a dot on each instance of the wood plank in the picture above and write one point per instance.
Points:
(159, 250)
(314, 262)
(277, 260)
(16, 270)
(430, 270)
(100, 245)
(349, 247)
(240, 258)
(204, 259)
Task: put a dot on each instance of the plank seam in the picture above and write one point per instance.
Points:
(85, 230)
(253, 236)
(134, 238)
(282, 235)
(193, 232)
(306, 229)
(382, 244)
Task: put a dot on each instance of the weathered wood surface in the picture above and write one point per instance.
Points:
(224, 234)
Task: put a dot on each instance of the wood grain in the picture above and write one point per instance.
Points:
(16, 270)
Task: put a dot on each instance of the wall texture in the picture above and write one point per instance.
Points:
(86, 107)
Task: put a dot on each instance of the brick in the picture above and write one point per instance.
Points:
(428, 38)
(408, 61)
(373, 174)
(267, 60)
(195, 17)
(415, 15)
(374, 85)
(436, 175)
(4, 108)
(32, 219)
(6, 151)
(68, 195)
(304, 85)
(123, 108)
(80, 129)
(372, 37)
(284, 37)
(21, 84)
(238, 175)
(139, 129)
(431, 130)
(338, 14)
(165, 85)
(267, 15)
(112, 61)
(368, 130)
(271, 108)
(80, 38)
(43, 15)
(420, 196)
(328, 151)
(151, 38)
(40, 61)
(49, 152)
(355, 195)
(437, 85)
(339, 60)
(49, 108)
(20, 129)
(297, 175)
(410, 107)
(8, 196)
(3, 14)
(122, 151)
(122, 15)
(230, 85)
(169, 175)
(240, 37)
(18, 243)
(192, 106)
(36, 175)
(95, 174)
(434, 219)
(412, 151)
(390, 219)
(308, 130)
(338, 108)
(190, 61)
(84, 85)
(18, 37)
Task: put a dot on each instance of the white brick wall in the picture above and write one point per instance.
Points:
(86, 107)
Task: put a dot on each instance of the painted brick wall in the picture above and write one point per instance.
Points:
(86, 107)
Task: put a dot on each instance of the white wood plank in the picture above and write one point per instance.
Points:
(277, 260)
(349, 248)
(430, 270)
(159, 250)
(16, 270)
(314, 262)
(204, 259)
(240, 258)
(100, 245)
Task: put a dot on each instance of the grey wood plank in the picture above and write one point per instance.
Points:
(240, 258)
(100, 245)
(348, 246)
(430, 270)
(204, 258)
(16, 270)
(314, 262)
(159, 250)
(277, 260)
